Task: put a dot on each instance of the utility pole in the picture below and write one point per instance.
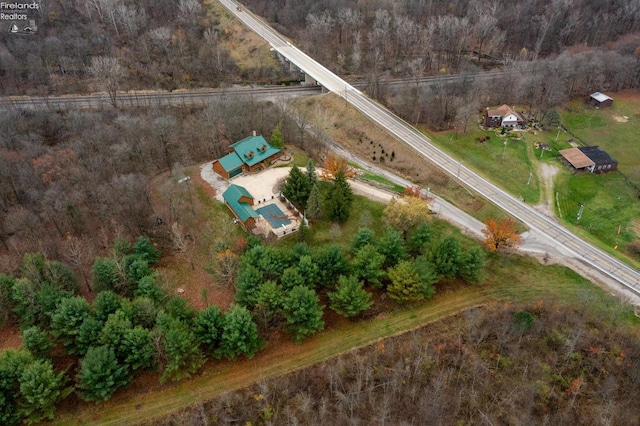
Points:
(580, 211)
(558, 135)
(529, 181)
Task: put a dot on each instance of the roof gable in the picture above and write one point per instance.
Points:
(502, 111)
(576, 158)
(253, 150)
(231, 162)
(600, 97)
(232, 197)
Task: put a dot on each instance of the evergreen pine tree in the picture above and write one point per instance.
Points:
(100, 374)
(339, 199)
(350, 298)
(302, 312)
(239, 334)
(312, 176)
(276, 140)
(296, 188)
(40, 389)
(314, 203)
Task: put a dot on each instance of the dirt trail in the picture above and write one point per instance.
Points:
(547, 173)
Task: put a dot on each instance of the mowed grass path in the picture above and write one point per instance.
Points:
(511, 278)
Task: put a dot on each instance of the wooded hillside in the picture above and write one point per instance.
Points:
(398, 35)
(159, 44)
(535, 364)
(70, 182)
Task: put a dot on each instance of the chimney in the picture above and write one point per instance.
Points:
(254, 133)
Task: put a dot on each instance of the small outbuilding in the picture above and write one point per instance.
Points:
(576, 159)
(240, 202)
(589, 158)
(600, 100)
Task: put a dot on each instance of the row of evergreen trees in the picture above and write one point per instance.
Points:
(132, 325)
(286, 286)
(330, 200)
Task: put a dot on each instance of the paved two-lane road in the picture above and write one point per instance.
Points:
(556, 234)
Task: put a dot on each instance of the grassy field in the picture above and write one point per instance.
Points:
(503, 159)
(611, 209)
(363, 213)
(615, 129)
(611, 213)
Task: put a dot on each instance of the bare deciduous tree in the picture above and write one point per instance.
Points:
(108, 74)
(188, 11)
(131, 18)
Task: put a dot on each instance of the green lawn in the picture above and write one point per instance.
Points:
(503, 159)
(300, 158)
(608, 128)
(364, 212)
(611, 209)
(611, 212)
(384, 182)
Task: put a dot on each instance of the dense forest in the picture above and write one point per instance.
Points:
(182, 43)
(398, 35)
(132, 325)
(162, 44)
(534, 364)
(71, 182)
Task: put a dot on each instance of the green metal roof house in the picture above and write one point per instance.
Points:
(247, 155)
(240, 201)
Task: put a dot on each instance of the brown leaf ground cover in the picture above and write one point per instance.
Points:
(499, 364)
